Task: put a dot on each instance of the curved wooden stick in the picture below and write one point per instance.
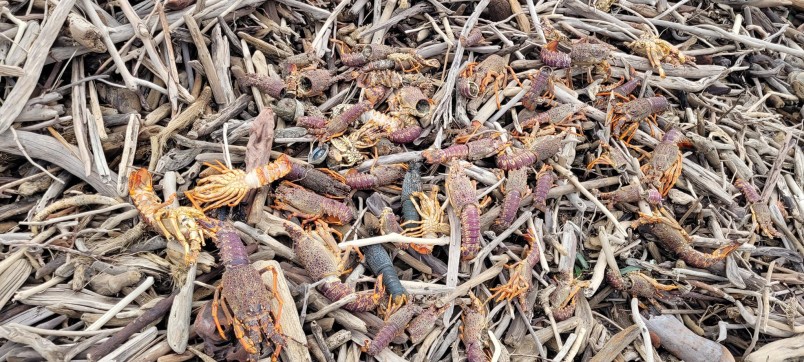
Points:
(49, 149)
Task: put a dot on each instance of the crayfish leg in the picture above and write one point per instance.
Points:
(217, 301)
(279, 303)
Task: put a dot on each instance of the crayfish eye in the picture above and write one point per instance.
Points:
(366, 51)
(423, 106)
(305, 83)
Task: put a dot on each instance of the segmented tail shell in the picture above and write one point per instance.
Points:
(470, 232)
(544, 182)
(393, 326)
(518, 159)
(538, 85)
(454, 152)
(508, 211)
(316, 122)
(270, 86)
(380, 263)
(410, 184)
(748, 190)
(554, 58)
(273, 171)
(406, 135)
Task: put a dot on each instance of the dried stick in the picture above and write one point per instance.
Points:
(392, 238)
(142, 32)
(130, 81)
(574, 180)
(121, 304)
(15, 101)
(643, 329)
(206, 59)
(157, 311)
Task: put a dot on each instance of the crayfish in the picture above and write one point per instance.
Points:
(395, 324)
(471, 151)
(638, 285)
(630, 113)
(230, 186)
(516, 188)
(558, 116)
(380, 175)
(585, 52)
(180, 223)
(244, 299)
(430, 221)
(539, 91)
(537, 148)
(318, 253)
(474, 329)
(760, 213)
(561, 301)
(658, 50)
(631, 194)
(664, 167)
(520, 280)
(475, 79)
(670, 235)
(463, 198)
(310, 205)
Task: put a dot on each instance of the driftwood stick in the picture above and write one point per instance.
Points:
(48, 149)
(157, 311)
(15, 101)
(683, 343)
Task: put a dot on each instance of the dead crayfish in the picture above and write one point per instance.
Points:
(475, 79)
(474, 329)
(318, 253)
(620, 90)
(584, 52)
(561, 301)
(380, 175)
(670, 235)
(664, 167)
(544, 182)
(632, 194)
(516, 188)
(537, 148)
(539, 91)
(230, 186)
(562, 115)
(760, 213)
(180, 223)
(412, 182)
(430, 221)
(658, 50)
(471, 151)
(463, 198)
(244, 299)
(520, 280)
(624, 118)
(310, 205)
(395, 324)
(638, 285)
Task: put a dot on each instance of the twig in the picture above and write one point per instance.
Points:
(121, 304)
(15, 100)
(574, 180)
(643, 329)
(392, 238)
(27, 157)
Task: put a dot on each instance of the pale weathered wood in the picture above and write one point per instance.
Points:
(13, 104)
(48, 149)
(296, 349)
